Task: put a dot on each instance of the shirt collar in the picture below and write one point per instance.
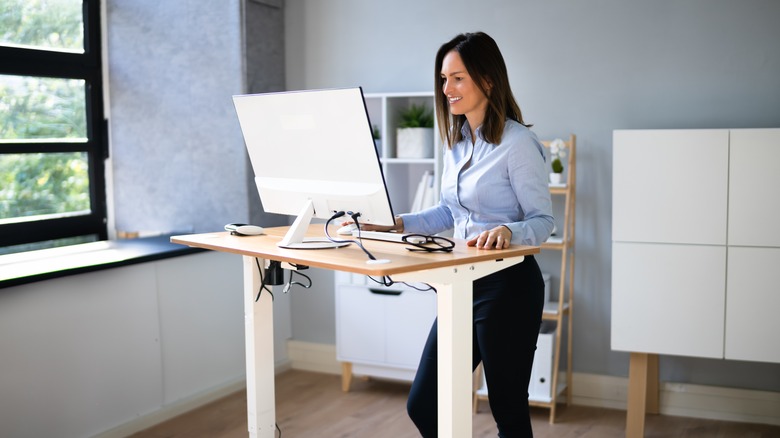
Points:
(465, 130)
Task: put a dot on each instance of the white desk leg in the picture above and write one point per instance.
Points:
(454, 301)
(455, 310)
(259, 332)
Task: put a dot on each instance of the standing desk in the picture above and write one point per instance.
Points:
(451, 274)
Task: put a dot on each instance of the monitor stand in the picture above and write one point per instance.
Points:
(294, 239)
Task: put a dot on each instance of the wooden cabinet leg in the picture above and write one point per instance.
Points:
(642, 392)
(346, 376)
(652, 384)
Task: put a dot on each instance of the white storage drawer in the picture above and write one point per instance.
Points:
(385, 326)
(540, 385)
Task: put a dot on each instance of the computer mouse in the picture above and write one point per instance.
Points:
(347, 230)
(244, 229)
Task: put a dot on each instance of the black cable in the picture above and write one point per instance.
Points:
(358, 242)
(387, 281)
(262, 282)
(421, 289)
(292, 283)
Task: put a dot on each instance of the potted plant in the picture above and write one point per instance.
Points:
(377, 139)
(557, 151)
(414, 136)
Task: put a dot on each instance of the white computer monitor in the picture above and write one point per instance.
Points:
(313, 154)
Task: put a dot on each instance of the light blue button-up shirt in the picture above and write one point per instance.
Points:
(501, 184)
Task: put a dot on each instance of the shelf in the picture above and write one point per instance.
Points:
(391, 332)
(554, 243)
(551, 310)
(562, 315)
(563, 242)
(559, 189)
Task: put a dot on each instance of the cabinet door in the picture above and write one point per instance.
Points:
(670, 186)
(360, 325)
(383, 325)
(752, 301)
(668, 299)
(754, 204)
(409, 319)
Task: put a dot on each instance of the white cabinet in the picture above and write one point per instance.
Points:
(381, 331)
(695, 243)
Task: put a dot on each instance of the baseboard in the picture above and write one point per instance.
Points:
(310, 356)
(175, 409)
(683, 399)
(678, 399)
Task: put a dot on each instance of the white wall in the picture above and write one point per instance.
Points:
(87, 353)
(575, 67)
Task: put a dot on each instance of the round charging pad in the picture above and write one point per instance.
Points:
(377, 261)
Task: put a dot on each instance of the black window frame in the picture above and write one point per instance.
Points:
(86, 66)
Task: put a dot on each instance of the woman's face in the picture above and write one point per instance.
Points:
(462, 93)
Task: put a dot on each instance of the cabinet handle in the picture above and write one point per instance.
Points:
(385, 291)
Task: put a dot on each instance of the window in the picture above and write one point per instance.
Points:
(53, 140)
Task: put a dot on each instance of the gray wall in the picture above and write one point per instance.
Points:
(178, 158)
(576, 67)
(264, 60)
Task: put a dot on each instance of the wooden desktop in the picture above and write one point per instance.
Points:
(451, 274)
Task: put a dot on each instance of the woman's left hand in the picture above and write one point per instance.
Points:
(498, 238)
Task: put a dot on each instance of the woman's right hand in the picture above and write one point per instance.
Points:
(398, 227)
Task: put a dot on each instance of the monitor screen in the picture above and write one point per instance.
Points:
(313, 154)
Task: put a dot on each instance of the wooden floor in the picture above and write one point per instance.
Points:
(313, 405)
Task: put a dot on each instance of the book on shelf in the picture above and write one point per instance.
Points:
(424, 196)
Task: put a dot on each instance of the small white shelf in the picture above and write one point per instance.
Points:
(551, 307)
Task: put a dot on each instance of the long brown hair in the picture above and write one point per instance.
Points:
(485, 65)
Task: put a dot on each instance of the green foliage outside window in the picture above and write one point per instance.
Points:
(42, 108)
(46, 24)
(43, 184)
(39, 110)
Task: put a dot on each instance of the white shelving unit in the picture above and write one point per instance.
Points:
(560, 311)
(401, 174)
(381, 331)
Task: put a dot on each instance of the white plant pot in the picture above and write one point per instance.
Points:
(414, 143)
(555, 178)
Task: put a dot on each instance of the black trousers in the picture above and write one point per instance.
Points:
(507, 317)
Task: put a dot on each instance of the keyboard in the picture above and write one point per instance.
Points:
(386, 236)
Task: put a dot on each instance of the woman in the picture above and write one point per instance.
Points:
(494, 193)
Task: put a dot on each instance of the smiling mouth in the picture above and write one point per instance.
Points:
(454, 99)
